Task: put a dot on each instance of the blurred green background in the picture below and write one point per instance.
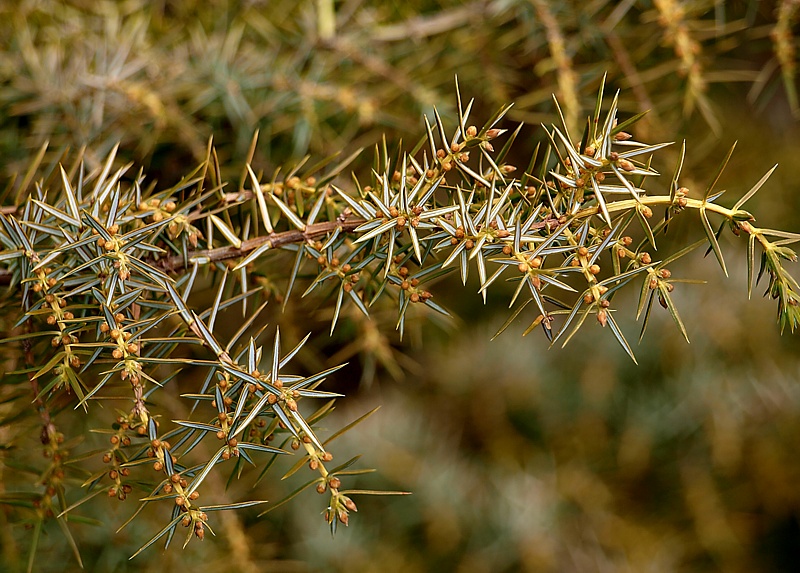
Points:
(519, 458)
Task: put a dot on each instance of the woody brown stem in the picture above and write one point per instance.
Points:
(310, 233)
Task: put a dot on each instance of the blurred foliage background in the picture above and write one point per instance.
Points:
(519, 458)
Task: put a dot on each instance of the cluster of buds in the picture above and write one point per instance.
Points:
(197, 520)
(113, 247)
(680, 198)
(194, 517)
(116, 458)
(411, 176)
(659, 280)
(293, 183)
(345, 271)
(124, 349)
(180, 225)
(160, 209)
(56, 317)
(158, 450)
(410, 286)
(339, 509)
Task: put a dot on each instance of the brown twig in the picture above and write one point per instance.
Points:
(276, 240)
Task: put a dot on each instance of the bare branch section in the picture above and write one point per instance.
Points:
(275, 240)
